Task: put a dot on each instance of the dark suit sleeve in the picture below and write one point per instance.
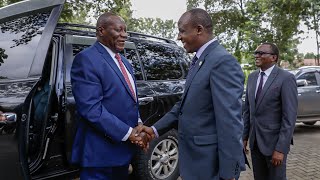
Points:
(87, 92)
(289, 102)
(226, 83)
(168, 121)
(246, 115)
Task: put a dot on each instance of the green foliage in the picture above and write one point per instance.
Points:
(243, 24)
(312, 20)
(309, 55)
(156, 27)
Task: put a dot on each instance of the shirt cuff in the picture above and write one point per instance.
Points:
(127, 135)
(155, 131)
(140, 121)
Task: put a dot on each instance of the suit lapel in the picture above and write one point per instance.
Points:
(267, 85)
(104, 53)
(194, 71)
(197, 66)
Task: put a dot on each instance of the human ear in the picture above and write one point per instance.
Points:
(200, 29)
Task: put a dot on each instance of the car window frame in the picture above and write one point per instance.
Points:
(316, 74)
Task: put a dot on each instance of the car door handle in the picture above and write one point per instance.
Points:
(10, 118)
(299, 94)
(317, 91)
(145, 100)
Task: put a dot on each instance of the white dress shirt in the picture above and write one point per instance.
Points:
(265, 77)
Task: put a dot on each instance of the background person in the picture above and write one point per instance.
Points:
(270, 114)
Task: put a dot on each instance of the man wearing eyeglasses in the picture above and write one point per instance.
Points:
(270, 112)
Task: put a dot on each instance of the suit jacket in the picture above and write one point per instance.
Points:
(106, 107)
(209, 118)
(271, 121)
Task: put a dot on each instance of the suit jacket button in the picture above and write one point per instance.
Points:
(180, 113)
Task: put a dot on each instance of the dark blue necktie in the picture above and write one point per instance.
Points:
(193, 62)
(260, 86)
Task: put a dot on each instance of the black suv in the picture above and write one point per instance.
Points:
(36, 55)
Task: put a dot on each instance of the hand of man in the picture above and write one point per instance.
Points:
(245, 146)
(2, 117)
(277, 158)
(139, 138)
(144, 143)
(146, 129)
(134, 137)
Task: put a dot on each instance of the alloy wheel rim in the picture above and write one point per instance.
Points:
(164, 158)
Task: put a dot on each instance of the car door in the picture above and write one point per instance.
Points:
(309, 95)
(25, 36)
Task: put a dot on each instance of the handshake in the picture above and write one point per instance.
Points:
(141, 135)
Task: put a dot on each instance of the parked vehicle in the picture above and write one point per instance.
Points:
(308, 81)
(36, 55)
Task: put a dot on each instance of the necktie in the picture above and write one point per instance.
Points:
(193, 62)
(260, 86)
(125, 75)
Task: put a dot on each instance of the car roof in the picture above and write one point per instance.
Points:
(308, 67)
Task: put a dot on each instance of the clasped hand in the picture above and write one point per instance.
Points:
(142, 135)
(2, 117)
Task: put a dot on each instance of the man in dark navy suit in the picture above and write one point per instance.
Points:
(209, 114)
(104, 89)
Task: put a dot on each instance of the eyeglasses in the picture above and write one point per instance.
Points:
(260, 53)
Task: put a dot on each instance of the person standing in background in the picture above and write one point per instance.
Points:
(270, 113)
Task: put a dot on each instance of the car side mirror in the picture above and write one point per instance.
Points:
(302, 82)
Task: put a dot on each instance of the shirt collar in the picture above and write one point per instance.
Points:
(268, 71)
(203, 47)
(112, 54)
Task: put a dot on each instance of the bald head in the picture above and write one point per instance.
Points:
(199, 16)
(195, 29)
(105, 19)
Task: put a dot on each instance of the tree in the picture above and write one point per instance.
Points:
(230, 22)
(312, 20)
(244, 24)
(156, 27)
(309, 55)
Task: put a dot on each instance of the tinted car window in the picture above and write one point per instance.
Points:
(310, 77)
(18, 43)
(130, 54)
(160, 62)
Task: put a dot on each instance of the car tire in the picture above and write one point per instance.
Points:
(310, 123)
(160, 162)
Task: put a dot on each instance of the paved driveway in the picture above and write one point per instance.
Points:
(304, 157)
